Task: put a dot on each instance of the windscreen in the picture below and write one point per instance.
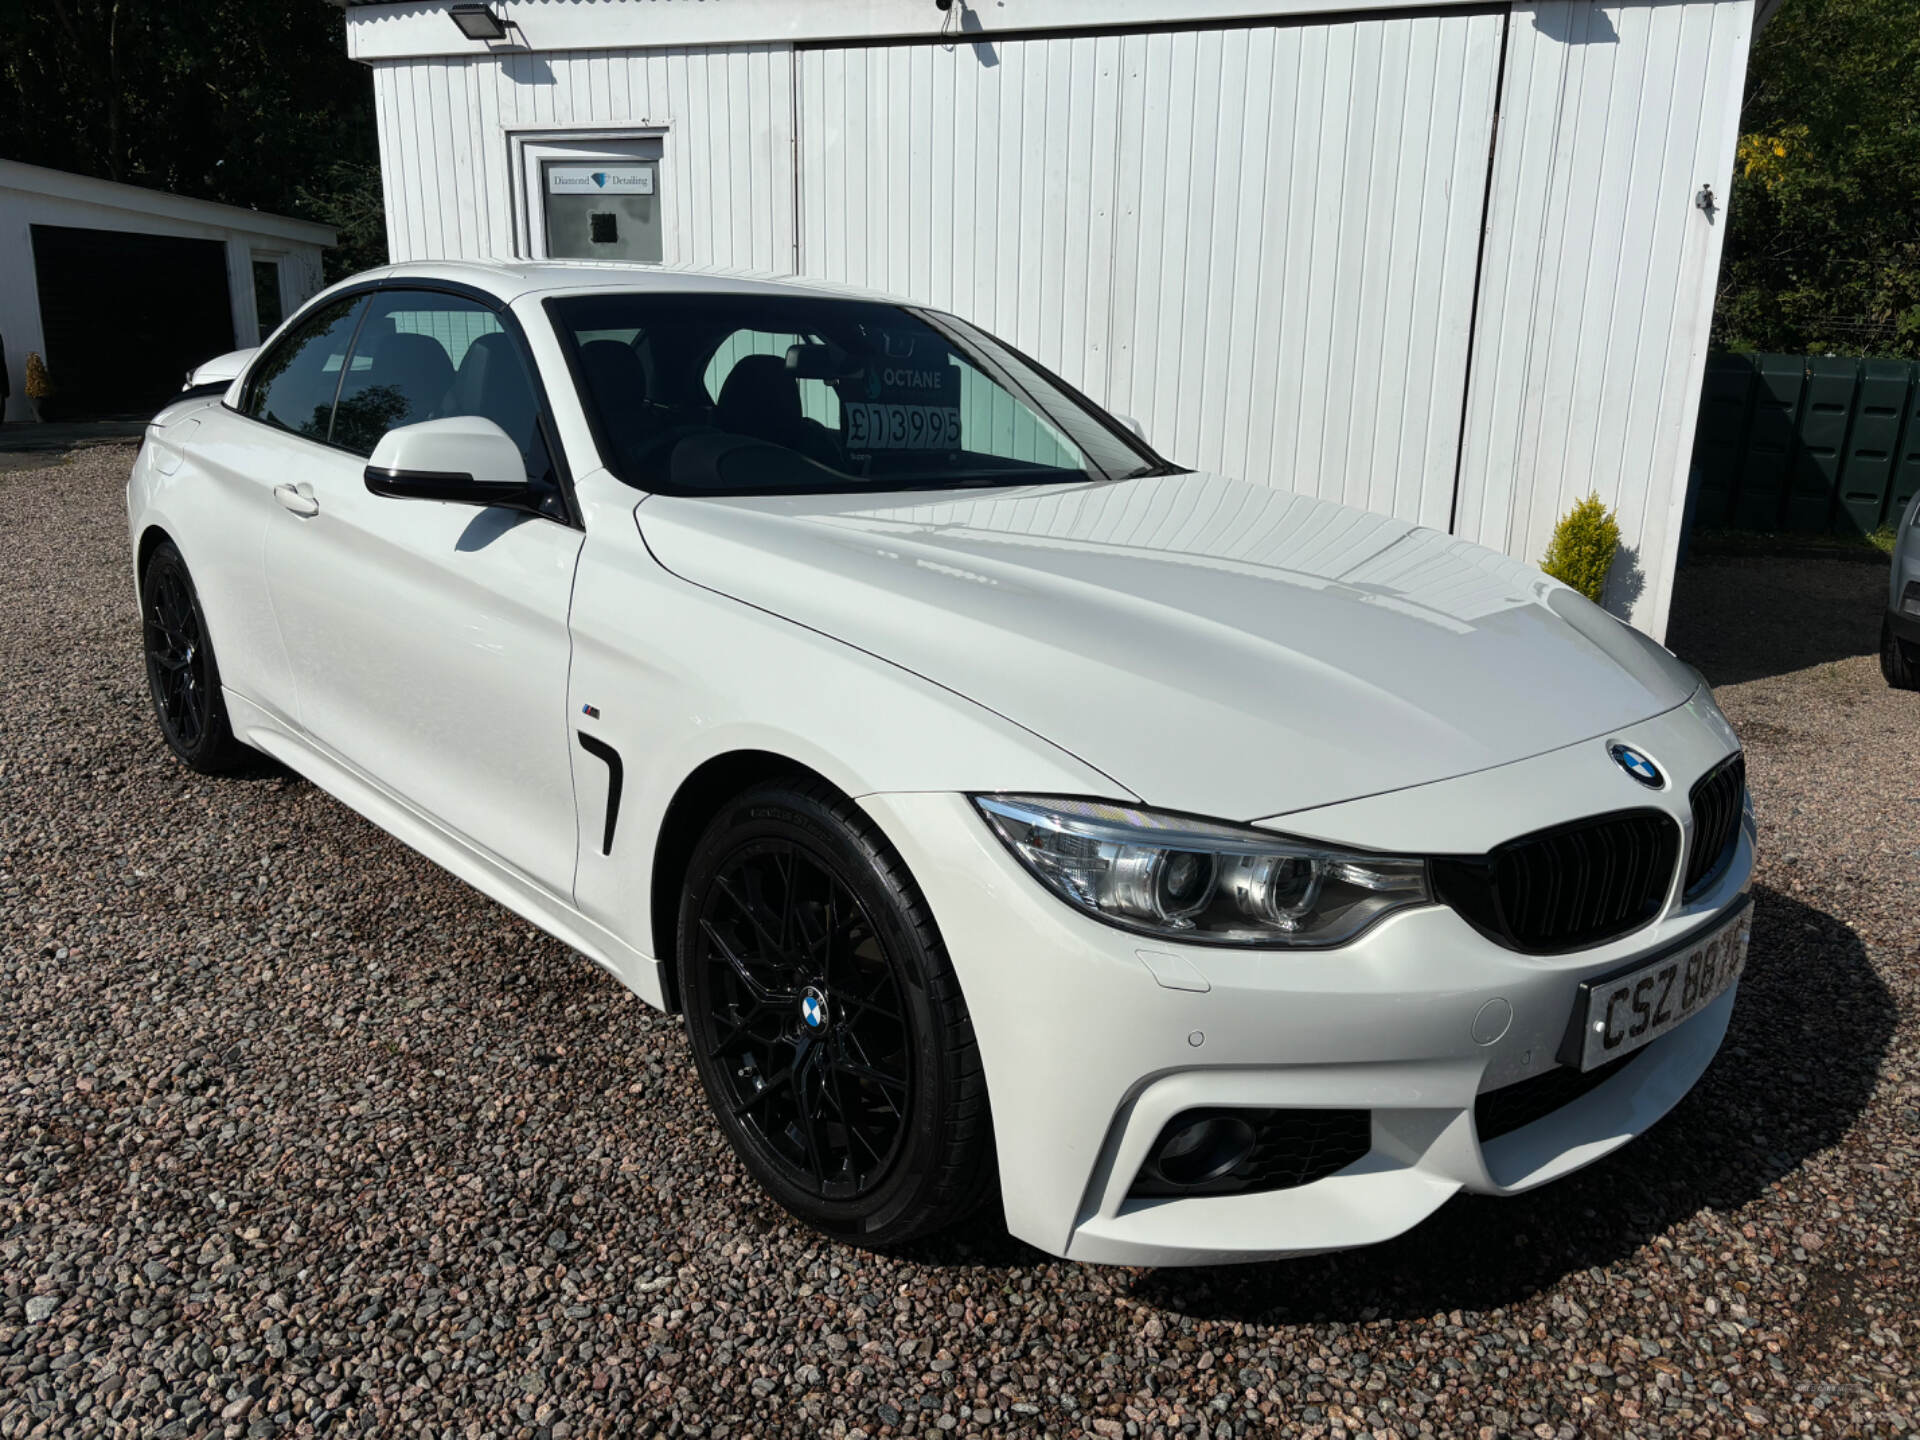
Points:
(766, 394)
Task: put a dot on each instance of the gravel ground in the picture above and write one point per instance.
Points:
(299, 1135)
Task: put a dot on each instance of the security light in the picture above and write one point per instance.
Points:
(478, 22)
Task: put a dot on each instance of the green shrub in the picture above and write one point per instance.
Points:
(1583, 546)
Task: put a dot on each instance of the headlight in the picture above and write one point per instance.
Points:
(1191, 880)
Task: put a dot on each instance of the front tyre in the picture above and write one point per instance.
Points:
(827, 1022)
(1899, 661)
(182, 675)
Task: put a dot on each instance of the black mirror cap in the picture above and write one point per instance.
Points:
(452, 485)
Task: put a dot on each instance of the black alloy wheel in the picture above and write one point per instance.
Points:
(182, 675)
(826, 1022)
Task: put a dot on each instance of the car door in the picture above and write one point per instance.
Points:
(250, 461)
(428, 638)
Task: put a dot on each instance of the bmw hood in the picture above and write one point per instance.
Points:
(1210, 645)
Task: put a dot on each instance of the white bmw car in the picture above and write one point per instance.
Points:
(1224, 873)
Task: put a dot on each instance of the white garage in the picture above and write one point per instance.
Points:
(1456, 263)
(121, 289)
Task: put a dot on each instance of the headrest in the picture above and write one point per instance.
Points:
(759, 393)
(614, 372)
(417, 365)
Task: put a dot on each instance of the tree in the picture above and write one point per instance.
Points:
(233, 100)
(1823, 244)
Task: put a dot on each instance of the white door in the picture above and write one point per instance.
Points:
(243, 460)
(1258, 242)
(429, 639)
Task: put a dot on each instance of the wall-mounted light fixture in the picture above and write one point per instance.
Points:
(478, 22)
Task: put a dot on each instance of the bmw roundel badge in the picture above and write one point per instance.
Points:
(1637, 765)
(813, 1009)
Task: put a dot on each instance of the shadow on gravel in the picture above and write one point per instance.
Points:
(1798, 1066)
(1746, 619)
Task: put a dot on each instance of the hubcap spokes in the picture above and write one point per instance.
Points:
(176, 659)
(808, 1027)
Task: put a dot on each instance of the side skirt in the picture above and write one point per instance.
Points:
(273, 735)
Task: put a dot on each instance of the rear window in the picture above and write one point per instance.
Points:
(761, 394)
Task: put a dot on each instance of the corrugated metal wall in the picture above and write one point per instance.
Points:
(1263, 242)
(1260, 242)
(446, 128)
(1597, 285)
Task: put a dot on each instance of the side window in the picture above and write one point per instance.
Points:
(817, 400)
(428, 356)
(294, 385)
(993, 422)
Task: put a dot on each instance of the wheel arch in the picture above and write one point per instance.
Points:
(698, 799)
(151, 539)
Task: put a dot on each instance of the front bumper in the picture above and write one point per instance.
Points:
(1091, 1045)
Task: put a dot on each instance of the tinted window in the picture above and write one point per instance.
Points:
(765, 393)
(294, 385)
(427, 356)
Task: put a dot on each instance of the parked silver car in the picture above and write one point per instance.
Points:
(1900, 630)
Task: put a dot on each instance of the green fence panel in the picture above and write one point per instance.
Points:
(1867, 479)
(1719, 446)
(1826, 412)
(1806, 444)
(1906, 474)
(1772, 434)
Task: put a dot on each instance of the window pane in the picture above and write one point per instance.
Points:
(295, 384)
(604, 210)
(734, 393)
(266, 296)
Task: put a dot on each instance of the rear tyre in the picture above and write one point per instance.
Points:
(826, 1020)
(1898, 660)
(182, 676)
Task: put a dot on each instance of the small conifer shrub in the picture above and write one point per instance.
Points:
(39, 383)
(1583, 546)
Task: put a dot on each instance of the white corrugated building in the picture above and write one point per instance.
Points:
(1454, 263)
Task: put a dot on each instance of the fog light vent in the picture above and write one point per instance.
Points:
(1910, 598)
(1237, 1151)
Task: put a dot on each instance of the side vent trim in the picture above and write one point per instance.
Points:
(600, 750)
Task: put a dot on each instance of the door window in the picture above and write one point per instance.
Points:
(422, 355)
(294, 386)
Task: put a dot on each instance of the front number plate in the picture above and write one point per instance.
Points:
(1618, 1014)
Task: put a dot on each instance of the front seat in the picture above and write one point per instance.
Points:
(492, 383)
(617, 380)
(406, 376)
(761, 399)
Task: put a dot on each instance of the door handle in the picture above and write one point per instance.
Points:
(297, 498)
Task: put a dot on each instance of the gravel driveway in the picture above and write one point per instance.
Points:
(300, 1135)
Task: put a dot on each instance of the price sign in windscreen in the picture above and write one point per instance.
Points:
(912, 402)
(903, 427)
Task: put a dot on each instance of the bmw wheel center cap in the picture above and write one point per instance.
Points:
(1637, 765)
(813, 1009)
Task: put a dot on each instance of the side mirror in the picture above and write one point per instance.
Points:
(1133, 425)
(463, 458)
